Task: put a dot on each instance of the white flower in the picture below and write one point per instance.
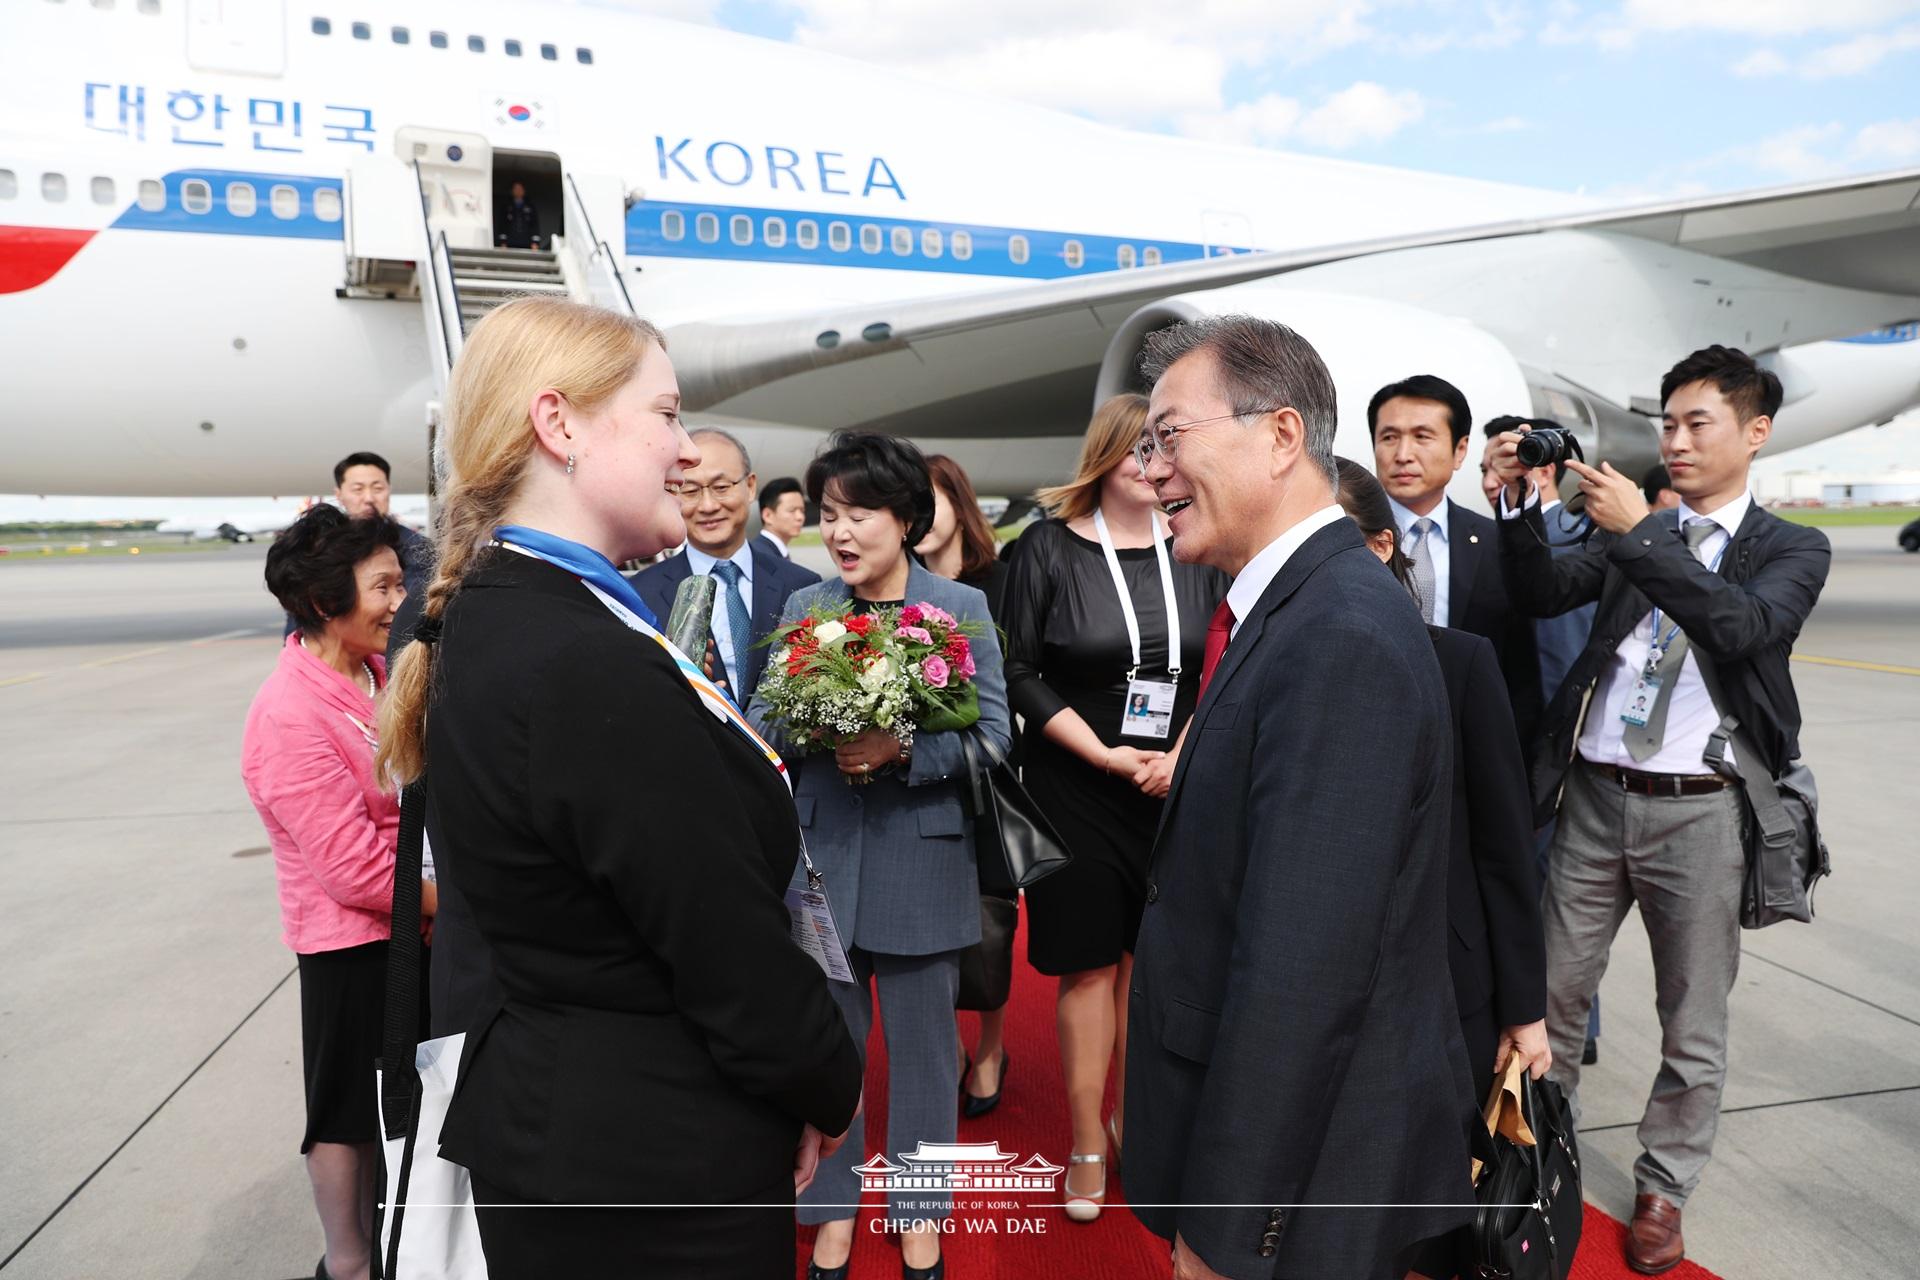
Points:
(781, 656)
(829, 631)
(878, 674)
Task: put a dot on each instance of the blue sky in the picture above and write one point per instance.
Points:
(1620, 97)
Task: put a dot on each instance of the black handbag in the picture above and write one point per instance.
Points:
(1528, 1224)
(1013, 840)
(986, 967)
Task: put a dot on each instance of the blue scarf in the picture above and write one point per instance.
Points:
(580, 561)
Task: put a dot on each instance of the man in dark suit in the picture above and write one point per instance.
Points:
(1421, 429)
(362, 487)
(1643, 818)
(1295, 1042)
(717, 498)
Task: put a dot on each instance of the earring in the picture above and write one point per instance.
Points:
(569, 464)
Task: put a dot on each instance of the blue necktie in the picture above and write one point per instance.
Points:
(739, 629)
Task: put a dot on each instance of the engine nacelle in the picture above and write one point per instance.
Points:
(1367, 343)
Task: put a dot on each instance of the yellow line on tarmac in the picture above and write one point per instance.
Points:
(125, 657)
(1856, 665)
(26, 679)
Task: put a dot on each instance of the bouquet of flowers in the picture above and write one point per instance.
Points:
(836, 674)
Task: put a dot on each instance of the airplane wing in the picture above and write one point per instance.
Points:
(1020, 361)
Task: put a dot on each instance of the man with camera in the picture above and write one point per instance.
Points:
(1643, 818)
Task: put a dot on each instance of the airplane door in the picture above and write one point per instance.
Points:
(1226, 233)
(456, 181)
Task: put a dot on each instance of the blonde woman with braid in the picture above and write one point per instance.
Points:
(620, 836)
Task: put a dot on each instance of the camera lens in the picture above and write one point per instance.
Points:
(1544, 447)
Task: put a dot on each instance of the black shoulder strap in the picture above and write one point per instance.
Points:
(1756, 776)
(399, 1082)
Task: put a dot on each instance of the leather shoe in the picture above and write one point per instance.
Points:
(973, 1106)
(1653, 1240)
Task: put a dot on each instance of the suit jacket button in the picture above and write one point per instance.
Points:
(1153, 892)
(1646, 542)
(1267, 1250)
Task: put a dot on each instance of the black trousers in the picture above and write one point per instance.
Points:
(536, 1242)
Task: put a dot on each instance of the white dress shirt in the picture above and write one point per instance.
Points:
(1437, 552)
(1691, 717)
(779, 543)
(1260, 571)
(723, 637)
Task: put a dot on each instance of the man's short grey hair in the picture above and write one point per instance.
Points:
(1263, 365)
(746, 459)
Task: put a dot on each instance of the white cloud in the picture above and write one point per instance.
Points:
(1761, 62)
(1826, 150)
(1363, 113)
(1888, 143)
(1507, 124)
(1763, 17)
(1862, 53)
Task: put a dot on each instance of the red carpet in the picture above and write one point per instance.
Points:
(1032, 1117)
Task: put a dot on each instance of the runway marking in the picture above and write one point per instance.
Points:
(1855, 664)
(138, 653)
(1757, 1106)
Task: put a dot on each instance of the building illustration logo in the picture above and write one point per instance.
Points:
(959, 1166)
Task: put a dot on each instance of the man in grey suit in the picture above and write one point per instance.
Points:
(1295, 1044)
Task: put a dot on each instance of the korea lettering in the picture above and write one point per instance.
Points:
(197, 119)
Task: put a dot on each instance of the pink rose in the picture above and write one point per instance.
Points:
(933, 613)
(933, 669)
(967, 668)
(913, 633)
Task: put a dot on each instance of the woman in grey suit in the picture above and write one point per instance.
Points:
(885, 825)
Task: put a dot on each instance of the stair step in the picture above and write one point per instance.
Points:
(506, 288)
(531, 277)
(503, 255)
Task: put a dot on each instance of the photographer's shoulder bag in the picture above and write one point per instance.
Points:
(1528, 1224)
(1786, 857)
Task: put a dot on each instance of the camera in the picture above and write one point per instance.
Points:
(1547, 447)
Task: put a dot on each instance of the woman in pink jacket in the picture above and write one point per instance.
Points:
(307, 759)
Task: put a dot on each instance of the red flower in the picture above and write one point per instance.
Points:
(957, 649)
(860, 623)
(911, 616)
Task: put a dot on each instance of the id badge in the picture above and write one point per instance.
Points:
(1149, 709)
(1640, 700)
(814, 931)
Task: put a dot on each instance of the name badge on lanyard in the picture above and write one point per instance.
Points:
(1149, 708)
(1645, 693)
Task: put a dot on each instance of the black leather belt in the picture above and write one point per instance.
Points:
(1635, 782)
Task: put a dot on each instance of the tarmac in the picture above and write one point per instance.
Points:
(150, 1084)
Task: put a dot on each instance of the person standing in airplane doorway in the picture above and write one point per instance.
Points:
(520, 224)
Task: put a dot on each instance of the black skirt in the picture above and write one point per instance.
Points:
(1087, 914)
(342, 1001)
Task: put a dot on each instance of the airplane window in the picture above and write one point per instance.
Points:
(585, 56)
(673, 225)
(962, 245)
(476, 44)
(402, 36)
(706, 228)
(362, 31)
(549, 53)
(740, 227)
(103, 190)
(902, 242)
(512, 47)
(438, 39)
(1150, 256)
(196, 196)
(774, 232)
(1017, 249)
(241, 201)
(1076, 254)
(1124, 256)
(152, 195)
(326, 204)
(870, 239)
(807, 232)
(9, 185)
(53, 187)
(930, 242)
(839, 237)
(283, 200)
(322, 27)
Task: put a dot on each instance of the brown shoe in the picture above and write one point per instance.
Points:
(1653, 1241)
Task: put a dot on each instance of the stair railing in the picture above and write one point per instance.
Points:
(594, 257)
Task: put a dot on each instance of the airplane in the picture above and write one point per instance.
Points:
(237, 241)
(233, 526)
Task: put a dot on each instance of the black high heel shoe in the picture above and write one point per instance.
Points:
(817, 1272)
(973, 1106)
(938, 1271)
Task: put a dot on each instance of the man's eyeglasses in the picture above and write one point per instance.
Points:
(1159, 441)
(720, 488)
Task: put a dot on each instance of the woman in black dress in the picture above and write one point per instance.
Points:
(1074, 672)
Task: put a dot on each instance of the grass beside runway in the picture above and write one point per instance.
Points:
(1842, 517)
(41, 552)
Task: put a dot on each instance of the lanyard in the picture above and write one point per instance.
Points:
(716, 702)
(1126, 598)
(1658, 646)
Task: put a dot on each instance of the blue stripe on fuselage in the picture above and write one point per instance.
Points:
(218, 218)
(1887, 336)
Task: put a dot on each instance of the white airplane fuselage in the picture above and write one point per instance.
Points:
(173, 214)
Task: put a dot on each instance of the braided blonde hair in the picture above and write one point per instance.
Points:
(585, 353)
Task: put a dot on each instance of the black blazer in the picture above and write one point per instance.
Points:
(624, 856)
(774, 579)
(1480, 603)
(1293, 1037)
(1745, 617)
(1498, 951)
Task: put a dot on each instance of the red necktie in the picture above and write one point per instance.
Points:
(1219, 631)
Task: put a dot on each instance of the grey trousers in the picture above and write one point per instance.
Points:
(1681, 859)
(923, 1077)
